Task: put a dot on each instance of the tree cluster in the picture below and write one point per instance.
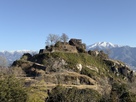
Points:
(52, 39)
(12, 90)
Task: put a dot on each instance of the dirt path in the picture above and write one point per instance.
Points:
(95, 87)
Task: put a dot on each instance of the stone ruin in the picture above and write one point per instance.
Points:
(73, 46)
(77, 42)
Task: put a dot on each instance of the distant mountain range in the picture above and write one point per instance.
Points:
(126, 54)
(11, 56)
(102, 45)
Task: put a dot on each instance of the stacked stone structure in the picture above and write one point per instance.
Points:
(73, 46)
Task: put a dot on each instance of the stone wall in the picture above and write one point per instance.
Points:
(73, 46)
(78, 43)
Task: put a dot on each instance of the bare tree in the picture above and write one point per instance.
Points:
(64, 37)
(52, 39)
(56, 38)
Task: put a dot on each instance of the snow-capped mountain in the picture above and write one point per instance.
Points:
(102, 45)
(125, 54)
(11, 56)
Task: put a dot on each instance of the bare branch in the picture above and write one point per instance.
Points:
(52, 39)
(64, 37)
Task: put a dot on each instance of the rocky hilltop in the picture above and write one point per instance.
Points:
(68, 73)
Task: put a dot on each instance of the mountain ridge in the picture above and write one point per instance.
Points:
(102, 45)
(11, 56)
(125, 53)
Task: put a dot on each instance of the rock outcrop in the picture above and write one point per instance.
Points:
(63, 65)
(74, 46)
(78, 43)
(100, 54)
(119, 68)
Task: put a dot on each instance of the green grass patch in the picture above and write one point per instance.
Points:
(73, 58)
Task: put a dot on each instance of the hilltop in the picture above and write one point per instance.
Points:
(124, 53)
(64, 66)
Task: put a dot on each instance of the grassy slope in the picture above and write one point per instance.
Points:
(72, 59)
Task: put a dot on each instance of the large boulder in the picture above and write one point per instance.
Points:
(100, 54)
(55, 65)
(120, 68)
(27, 57)
(78, 43)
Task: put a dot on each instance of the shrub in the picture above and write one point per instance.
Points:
(121, 93)
(102, 55)
(128, 97)
(57, 44)
(81, 50)
(12, 90)
(88, 72)
(62, 94)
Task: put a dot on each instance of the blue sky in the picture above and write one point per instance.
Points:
(25, 24)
